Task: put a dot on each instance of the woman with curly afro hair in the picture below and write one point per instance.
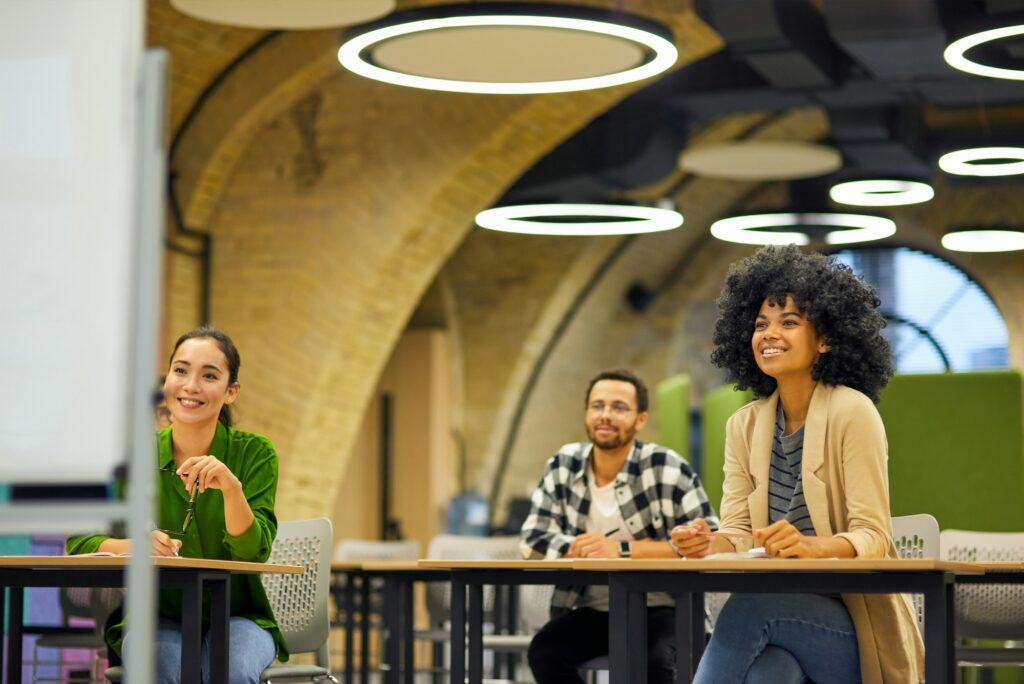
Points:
(805, 474)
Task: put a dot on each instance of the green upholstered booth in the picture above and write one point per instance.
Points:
(956, 448)
(672, 400)
(718, 405)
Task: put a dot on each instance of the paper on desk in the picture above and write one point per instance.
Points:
(756, 552)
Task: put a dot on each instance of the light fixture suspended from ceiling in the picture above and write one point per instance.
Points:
(955, 53)
(294, 14)
(509, 48)
(579, 219)
(765, 229)
(984, 240)
(984, 161)
(880, 192)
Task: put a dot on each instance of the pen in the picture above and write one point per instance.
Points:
(611, 532)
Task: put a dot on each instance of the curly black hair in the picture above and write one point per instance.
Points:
(842, 307)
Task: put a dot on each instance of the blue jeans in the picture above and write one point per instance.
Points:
(252, 650)
(781, 639)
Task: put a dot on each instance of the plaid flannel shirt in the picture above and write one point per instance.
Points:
(656, 490)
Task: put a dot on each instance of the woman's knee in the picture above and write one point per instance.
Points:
(775, 665)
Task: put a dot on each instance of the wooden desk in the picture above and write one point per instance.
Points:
(191, 575)
(398, 613)
(630, 580)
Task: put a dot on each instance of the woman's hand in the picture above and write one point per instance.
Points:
(693, 540)
(163, 544)
(209, 472)
(782, 540)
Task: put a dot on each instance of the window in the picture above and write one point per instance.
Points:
(939, 318)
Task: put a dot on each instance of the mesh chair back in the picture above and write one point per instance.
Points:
(916, 536)
(986, 611)
(373, 550)
(534, 606)
(300, 601)
(461, 547)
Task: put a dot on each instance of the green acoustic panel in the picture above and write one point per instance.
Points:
(956, 448)
(719, 404)
(672, 399)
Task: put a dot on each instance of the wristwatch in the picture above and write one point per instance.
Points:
(625, 549)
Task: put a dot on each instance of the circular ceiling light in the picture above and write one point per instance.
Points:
(579, 219)
(955, 53)
(984, 161)
(763, 229)
(760, 160)
(881, 193)
(295, 14)
(984, 240)
(509, 48)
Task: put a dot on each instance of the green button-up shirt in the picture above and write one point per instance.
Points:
(253, 461)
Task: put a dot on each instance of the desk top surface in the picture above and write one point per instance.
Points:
(85, 561)
(731, 565)
(379, 566)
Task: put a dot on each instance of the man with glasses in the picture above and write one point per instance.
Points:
(611, 497)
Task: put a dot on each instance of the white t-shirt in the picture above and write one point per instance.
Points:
(605, 518)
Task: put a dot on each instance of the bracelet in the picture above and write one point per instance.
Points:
(675, 548)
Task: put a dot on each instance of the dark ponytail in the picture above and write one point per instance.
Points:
(230, 352)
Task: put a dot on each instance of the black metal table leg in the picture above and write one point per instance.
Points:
(475, 629)
(458, 629)
(939, 663)
(364, 629)
(16, 616)
(627, 625)
(220, 641)
(689, 634)
(406, 633)
(350, 628)
(191, 629)
(392, 611)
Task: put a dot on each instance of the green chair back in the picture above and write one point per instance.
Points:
(956, 448)
(718, 405)
(672, 399)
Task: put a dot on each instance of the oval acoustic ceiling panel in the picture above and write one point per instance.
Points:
(760, 160)
(294, 14)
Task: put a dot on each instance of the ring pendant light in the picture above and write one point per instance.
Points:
(881, 192)
(984, 161)
(648, 46)
(955, 53)
(984, 240)
(756, 229)
(620, 219)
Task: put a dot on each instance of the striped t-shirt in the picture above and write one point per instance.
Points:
(785, 484)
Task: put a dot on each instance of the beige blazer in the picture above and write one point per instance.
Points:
(846, 486)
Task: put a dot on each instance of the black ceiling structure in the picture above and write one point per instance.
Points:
(874, 66)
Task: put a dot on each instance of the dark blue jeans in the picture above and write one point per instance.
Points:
(573, 638)
(781, 639)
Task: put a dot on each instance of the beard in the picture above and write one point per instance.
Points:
(623, 436)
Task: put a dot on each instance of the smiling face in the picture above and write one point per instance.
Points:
(785, 342)
(612, 418)
(198, 384)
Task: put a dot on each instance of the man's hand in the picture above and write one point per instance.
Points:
(693, 539)
(592, 545)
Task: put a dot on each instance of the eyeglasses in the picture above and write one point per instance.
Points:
(190, 514)
(617, 408)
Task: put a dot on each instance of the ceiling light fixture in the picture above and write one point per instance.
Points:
(984, 240)
(759, 229)
(955, 53)
(984, 161)
(274, 14)
(760, 160)
(881, 192)
(509, 48)
(612, 219)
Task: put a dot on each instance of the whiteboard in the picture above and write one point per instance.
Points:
(69, 73)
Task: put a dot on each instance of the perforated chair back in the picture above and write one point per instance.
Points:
(299, 602)
(986, 611)
(534, 606)
(375, 550)
(461, 547)
(916, 536)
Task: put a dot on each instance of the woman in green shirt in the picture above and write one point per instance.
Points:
(216, 493)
